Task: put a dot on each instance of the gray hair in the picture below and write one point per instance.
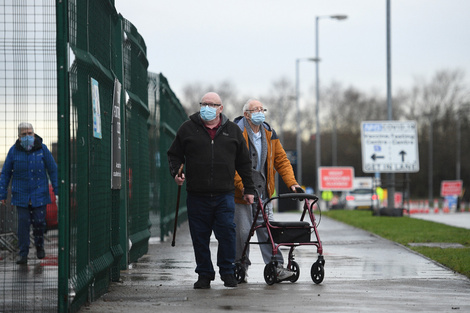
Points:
(247, 105)
(24, 126)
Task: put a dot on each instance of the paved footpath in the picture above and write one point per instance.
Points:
(363, 273)
(459, 219)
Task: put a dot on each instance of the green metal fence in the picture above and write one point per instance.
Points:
(94, 212)
(27, 94)
(169, 115)
(78, 71)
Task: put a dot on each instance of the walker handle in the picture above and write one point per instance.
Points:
(300, 196)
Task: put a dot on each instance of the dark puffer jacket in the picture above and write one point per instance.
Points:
(211, 164)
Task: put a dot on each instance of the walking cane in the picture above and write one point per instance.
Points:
(180, 172)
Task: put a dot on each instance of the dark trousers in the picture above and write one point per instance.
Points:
(30, 216)
(207, 214)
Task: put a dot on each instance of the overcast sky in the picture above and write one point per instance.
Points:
(254, 42)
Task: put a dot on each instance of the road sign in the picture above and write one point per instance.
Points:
(451, 188)
(389, 147)
(336, 178)
(398, 196)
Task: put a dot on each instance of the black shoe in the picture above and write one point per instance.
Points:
(40, 253)
(22, 260)
(229, 280)
(203, 282)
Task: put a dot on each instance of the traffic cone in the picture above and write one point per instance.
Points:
(436, 206)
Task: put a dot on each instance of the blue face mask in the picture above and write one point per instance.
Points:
(27, 142)
(257, 118)
(207, 113)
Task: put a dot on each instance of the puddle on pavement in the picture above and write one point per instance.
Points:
(136, 278)
(173, 264)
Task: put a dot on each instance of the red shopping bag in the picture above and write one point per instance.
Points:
(51, 211)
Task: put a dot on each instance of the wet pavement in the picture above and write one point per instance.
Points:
(457, 219)
(363, 273)
(31, 287)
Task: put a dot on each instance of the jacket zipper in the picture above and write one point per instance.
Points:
(212, 162)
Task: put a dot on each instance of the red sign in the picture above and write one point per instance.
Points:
(398, 198)
(336, 178)
(451, 188)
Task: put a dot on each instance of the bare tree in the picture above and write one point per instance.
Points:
(333, 96)
(280, 106)
(444, 93)
(233, 104)
(443, 101)
(192, 94)
(347, 108)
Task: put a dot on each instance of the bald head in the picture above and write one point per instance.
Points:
(211, 97)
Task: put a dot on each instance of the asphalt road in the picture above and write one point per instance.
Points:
(363, 273)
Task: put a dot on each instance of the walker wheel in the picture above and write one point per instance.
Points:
(294, 267)
(239, 272)
(270, 273)
(317, 272)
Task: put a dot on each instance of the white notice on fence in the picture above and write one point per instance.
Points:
(95, 98)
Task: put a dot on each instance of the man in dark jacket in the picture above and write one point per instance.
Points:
(29, 165)
(212, 148)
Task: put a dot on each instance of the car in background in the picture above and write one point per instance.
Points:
(361, 198)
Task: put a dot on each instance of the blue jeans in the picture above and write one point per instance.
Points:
(207, 214)
(26, 217)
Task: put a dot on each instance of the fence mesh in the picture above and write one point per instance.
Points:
(95, 206)
(171, 116)
(102, 224)
(27, 94)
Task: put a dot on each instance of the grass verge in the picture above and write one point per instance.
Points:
(406, 230)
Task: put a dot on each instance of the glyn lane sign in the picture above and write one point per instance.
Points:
(389, 147)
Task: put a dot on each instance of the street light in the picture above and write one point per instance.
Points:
(299, 137)
(317, 92)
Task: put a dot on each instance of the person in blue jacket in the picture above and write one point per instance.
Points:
(29, 165)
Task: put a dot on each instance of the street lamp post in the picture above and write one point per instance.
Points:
(317, 93)
(299, 137)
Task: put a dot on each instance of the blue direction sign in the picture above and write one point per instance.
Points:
(389, 147)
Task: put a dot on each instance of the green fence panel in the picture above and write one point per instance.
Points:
(166, 116)
(95, 207)
(28, 93)
(59, 70)
(137, 114)
(172, 115)
(138, 184)
(154, 153)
